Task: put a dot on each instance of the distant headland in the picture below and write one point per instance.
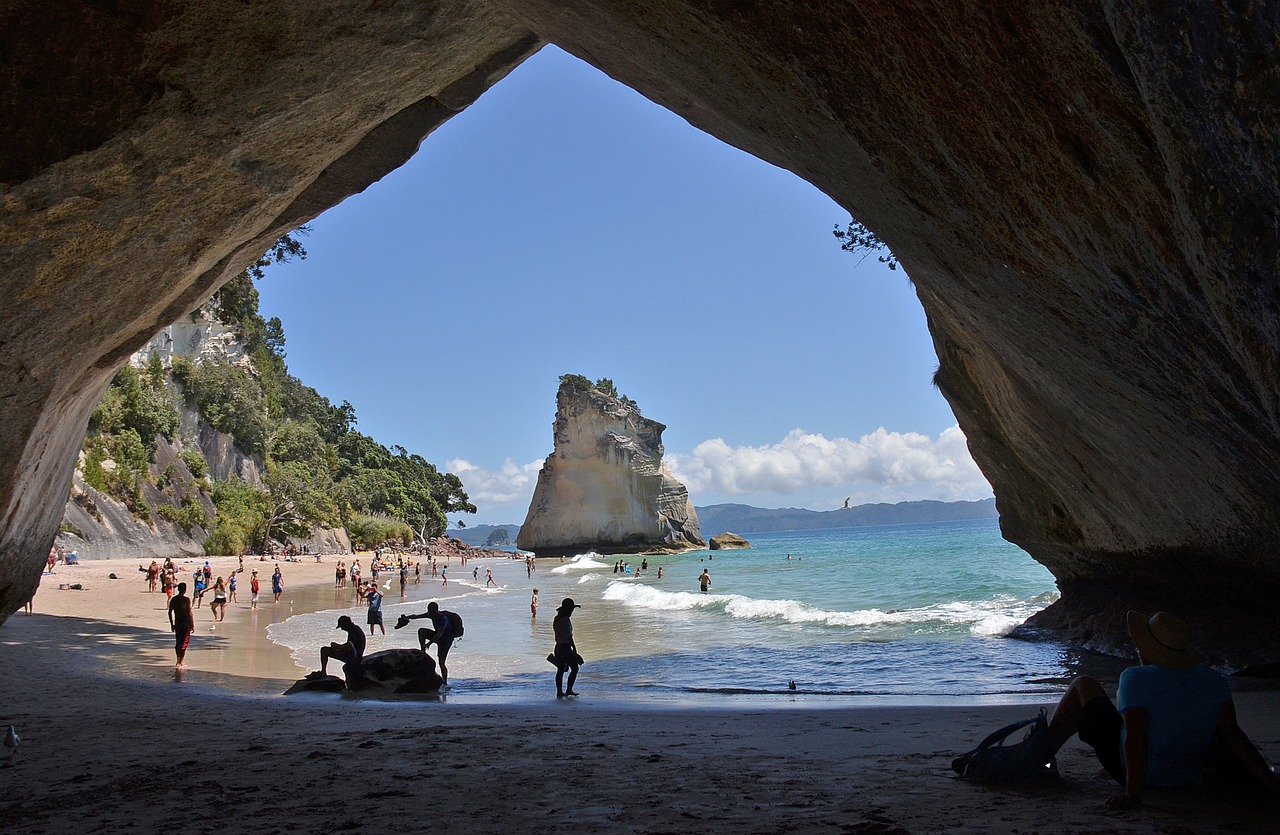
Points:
(740, 518)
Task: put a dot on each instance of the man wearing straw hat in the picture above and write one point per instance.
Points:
(1173, 717)
(565, 654)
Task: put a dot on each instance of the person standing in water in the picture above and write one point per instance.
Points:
(566, 651)
(704, 580)
(533, 605)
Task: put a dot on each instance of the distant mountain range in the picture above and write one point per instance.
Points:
(740, 518)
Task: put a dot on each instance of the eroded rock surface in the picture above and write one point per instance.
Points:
(728, 541)
(1085, 196)
(605, 487)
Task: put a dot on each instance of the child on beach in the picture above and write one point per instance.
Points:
(374, 597)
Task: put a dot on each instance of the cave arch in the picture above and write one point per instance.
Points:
(1084, 197)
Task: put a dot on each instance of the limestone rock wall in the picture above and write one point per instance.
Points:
(153, 150)
(1086, 197)
(605, 487)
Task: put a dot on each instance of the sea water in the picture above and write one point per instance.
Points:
(900, 613)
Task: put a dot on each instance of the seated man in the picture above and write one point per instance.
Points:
(1173, 718)
(350, 652)
(442, 635)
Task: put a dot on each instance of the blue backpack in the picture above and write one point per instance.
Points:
(1031, 758)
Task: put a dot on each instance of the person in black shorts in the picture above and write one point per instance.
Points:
(566, 651)
(350, 652)
(442, 633)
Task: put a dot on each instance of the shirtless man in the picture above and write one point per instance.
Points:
(350, 652)
(704, 580)
(182, 622)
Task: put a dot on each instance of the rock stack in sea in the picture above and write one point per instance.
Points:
(605, 486)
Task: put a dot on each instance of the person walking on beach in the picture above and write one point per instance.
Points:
(374, 598)
(566, 651)
(218, 608)
(488, 578)
(704, 580)
(254, 588)
(277, 584)
(442, 633)
(231, 587)
(182, 622)
(350, 652)
(444, 576)
(404, 578)
(1173, 716)
(198, 593)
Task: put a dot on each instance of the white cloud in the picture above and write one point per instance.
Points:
(512, 483)
(881, 466)
(804, 469)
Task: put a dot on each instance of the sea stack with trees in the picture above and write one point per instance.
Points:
(605, 486)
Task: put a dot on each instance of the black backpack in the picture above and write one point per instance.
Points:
(992, 761)
(455, 623)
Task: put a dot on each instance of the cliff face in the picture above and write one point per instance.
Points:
(605, 487)
(1084, 194)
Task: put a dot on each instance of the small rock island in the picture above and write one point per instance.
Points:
(728, 541)
(605, 486)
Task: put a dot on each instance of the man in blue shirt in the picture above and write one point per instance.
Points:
(1174, 716)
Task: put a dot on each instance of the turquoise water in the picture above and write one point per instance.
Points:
(895, 613)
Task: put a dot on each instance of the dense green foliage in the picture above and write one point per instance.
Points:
(140, 402)
(317, 470)
(604, 385)
(372, 530)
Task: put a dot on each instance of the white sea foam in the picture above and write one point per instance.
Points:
(984, 618)
(581, 562)
(587, 578)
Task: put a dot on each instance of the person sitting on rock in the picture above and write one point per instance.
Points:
(350, 652)
(1173, 718)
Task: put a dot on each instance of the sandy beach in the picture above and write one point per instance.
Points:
(113, 739)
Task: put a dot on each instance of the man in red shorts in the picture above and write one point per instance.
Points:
(181, 622)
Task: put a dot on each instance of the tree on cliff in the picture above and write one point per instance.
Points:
(857, 238)
(317, 468)
(604, 385)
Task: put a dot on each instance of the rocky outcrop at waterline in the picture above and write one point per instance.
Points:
(1084, 195)
(728, 541)
(605, 486)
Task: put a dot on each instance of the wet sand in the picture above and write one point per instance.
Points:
(114, 739)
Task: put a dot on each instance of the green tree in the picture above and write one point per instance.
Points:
(297, 499)
(857, 238)
(241, 512)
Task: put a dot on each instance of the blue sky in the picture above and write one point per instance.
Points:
(565, 224)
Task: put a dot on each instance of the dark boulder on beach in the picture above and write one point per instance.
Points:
(324, 684)
(728, 541)
(394, 671)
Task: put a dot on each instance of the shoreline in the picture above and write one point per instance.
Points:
(113, 738)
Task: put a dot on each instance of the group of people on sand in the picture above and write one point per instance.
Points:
(446, 627)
